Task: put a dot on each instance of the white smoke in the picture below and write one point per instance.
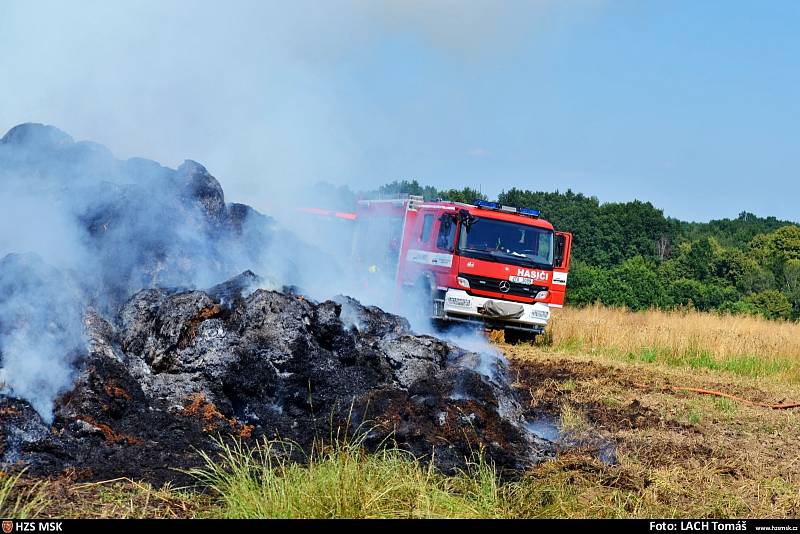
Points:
(247, 88)
(95, 230)
(40, 330)
(79, 229)
(242, 89)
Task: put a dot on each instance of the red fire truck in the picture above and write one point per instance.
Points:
(500, 266)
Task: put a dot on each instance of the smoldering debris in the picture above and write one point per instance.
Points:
(94, 230)
(114, 364)
(174, 370)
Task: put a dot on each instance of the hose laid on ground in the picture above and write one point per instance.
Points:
(740, 399)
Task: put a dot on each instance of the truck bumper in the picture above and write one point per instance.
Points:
(461, 306)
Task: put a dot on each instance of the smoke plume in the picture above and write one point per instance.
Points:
(81, 230)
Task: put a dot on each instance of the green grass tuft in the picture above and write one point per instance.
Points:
(342, 480)
(749, 366)
(20, 502)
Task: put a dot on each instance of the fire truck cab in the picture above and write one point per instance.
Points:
(500, 266)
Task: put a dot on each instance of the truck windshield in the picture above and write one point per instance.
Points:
(507, 242)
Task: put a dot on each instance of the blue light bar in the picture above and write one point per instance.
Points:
(488, 205)
(529, 212)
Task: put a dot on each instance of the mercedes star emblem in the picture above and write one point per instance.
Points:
(504, 286)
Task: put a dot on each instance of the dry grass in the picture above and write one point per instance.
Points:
(573, 423)
(743, 345)
(680, 454)
(120, 498)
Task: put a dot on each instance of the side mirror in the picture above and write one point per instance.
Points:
(559, 245)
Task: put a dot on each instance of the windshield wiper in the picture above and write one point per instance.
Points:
(518, 256)
(501, 254)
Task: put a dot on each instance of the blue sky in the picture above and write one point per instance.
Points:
(692, 105)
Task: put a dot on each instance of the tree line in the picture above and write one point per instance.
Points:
(630, 254)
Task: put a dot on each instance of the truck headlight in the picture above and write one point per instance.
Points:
(463, 282)
(541, 295)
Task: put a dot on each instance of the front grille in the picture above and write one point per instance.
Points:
(482, 283)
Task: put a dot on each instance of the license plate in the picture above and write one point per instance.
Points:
(455, 301)
(521, 280)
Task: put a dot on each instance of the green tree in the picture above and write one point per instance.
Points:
(699, 258)
(731, 233)
(771, 304)
(406, 187)
(730, 264)
(791, 285)
(635, 229)
(606, 234)
(700, 295)
(754, 278)
(778, 247)
(634, 284)
(586, 283)
(466, 195)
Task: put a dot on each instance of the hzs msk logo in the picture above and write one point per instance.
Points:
(32, 526)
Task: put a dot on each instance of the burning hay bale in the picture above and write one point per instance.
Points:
(108, 373)
(265, 364)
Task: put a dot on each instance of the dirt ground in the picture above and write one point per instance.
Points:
(676, 451)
